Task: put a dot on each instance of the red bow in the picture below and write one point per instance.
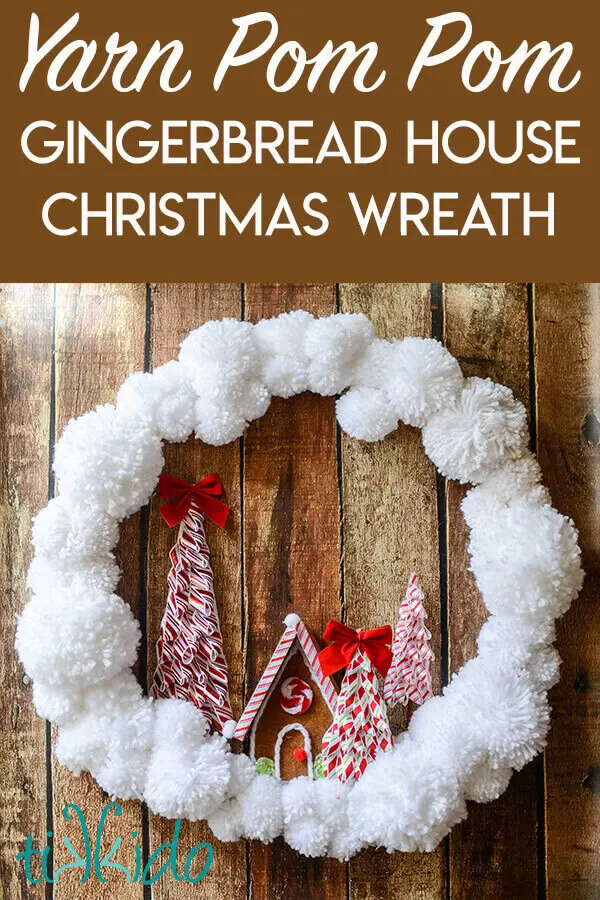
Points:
(346, 641)
(181, 496)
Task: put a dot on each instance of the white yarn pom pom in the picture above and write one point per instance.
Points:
(122, 772)
(81, 745)
(46, 574)
(220, 353)
(486, 783)
(366, 414)
(404, 801)
(517, 635)
(55, 704)
(334, 346)
(218, 425)
(371, 368)
(260, 809)
(420, 377)
(283, 360)
(226, 821)
(108, 459)
(69, 530)
(227, 414)
(314, 812)
(514, 480)
(73, 538)
(525, 559)
(509, 715)
(544, 667)
(481, 429)
(79, 637)
(222, 362)
(114, 747)
(165, 396)
(441, 727)
(188, 772)
(119, 694)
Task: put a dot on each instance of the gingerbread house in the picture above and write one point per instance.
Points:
(291, 708)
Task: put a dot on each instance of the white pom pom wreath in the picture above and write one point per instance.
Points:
(480, 429)
(77, 640)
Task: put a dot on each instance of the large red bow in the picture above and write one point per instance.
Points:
(346, 641)
(181, 495)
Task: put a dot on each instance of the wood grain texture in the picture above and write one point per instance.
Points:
(390, 530)
(292, 557)
(567, 356)
(26, 316)
(176, 310)
(494, 853)
(100, 332)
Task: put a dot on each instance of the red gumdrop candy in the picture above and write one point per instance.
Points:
(300, 754)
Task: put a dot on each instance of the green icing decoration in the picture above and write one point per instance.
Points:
(265, 766)
(318, 766)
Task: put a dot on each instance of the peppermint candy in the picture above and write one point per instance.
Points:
(295, 696)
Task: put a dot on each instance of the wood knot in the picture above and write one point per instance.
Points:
(581, 683)
(591, 429)
(591, 782)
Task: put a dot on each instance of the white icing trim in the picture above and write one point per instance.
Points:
(293, 726)
(293, 649)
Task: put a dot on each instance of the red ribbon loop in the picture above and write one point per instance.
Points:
(346, 641)
(181, 495)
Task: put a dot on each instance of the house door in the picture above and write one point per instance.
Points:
(293, 726)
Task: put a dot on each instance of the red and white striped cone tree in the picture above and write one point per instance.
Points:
(409, 676)
(191, 662)
(360, 728)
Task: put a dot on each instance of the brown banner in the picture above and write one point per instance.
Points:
(476, 151)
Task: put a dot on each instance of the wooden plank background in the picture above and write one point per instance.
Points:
(326, 526)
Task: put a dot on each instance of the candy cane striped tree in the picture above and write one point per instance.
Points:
(409, 676)
(191, 662)
(360, 728)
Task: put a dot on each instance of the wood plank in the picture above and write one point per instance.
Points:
(390, 529)
(567, 358)
(493, 854)
(177, 309)
(292, 557)
(26, 317)
(100, 332)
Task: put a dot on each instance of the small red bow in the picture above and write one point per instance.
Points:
(346, 641)
(181, 495)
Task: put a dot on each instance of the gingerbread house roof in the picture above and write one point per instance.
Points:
(295, 631)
